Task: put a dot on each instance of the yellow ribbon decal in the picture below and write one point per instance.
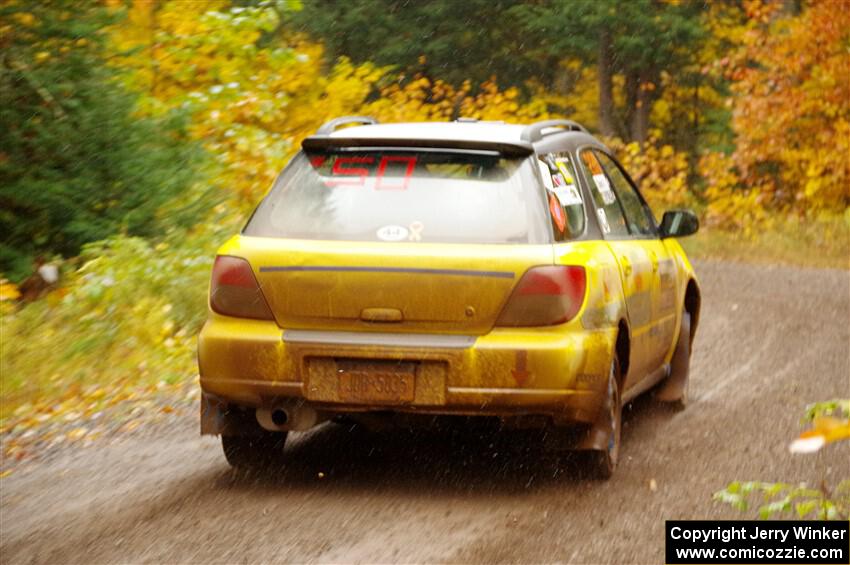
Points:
(416, 231)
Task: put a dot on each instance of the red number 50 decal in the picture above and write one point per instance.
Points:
(408, 172)
(356, 176)
(361, 172)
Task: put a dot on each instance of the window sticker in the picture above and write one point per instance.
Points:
(557, 211)
(416, 231)
(392, 233)
(547, 176)
(592, 163)
(556, 181)
(568, 195)
(604, 188)
(562, 166)
(391, 172)
(603, 220)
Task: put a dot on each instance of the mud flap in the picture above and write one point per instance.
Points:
(598, 434)
(213, 411)
(674, 387)
(220, 418)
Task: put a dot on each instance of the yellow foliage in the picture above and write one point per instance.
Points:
(582, 102)
(492, 104)
(250, 105)
(422, 99)
(729, 205)
(660, 171)
(8, 290)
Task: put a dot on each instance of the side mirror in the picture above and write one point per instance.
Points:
(678, 223)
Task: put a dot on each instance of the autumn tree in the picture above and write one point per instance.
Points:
(455, 42)
(250, 101)
(792, 107)
(521, 43)
(76, 164)
(637, 40)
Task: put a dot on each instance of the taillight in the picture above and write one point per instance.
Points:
(545, 296)
(234, 290)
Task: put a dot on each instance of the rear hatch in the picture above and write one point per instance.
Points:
(396, 239)
(387, 287)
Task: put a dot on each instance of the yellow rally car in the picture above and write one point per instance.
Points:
(466, 268)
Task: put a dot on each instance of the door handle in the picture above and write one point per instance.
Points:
(653, 258)
(627, 267)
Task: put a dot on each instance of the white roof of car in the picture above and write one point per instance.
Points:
(465, 131)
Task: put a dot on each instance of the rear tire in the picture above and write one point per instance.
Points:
(261, 451)
(604, 461)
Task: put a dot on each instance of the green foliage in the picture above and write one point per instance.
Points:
(839, 408)
(640, 41)
(777, 500)
(525, 45)
(76, 164)
(644, 34)
(128, 316)
(453, 41)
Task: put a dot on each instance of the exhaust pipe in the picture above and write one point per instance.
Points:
(287, 417)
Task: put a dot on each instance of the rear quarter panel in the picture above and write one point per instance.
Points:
(685, 273)
(605, 302)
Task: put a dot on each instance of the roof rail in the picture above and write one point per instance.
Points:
(534, 132)
(331, 126)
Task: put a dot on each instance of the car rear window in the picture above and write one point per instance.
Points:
(393, 195)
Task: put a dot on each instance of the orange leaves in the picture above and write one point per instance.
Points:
(790, 82)
(825, 429)
(791, 111)
(82, 415)
(830, 423)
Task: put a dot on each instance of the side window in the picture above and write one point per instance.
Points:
(605, 204)
(637, 213)
(560, 181)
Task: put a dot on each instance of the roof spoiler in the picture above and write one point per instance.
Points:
(324, 142)
(537, 130)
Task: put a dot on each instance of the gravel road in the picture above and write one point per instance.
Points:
(771, 340)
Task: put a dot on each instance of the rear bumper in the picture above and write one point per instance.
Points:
(558, 372)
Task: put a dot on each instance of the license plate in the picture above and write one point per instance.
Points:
(378, 382)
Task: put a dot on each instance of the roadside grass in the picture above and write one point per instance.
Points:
(824, 244)
(118, 334)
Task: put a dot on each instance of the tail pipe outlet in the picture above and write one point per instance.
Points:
(288, 417)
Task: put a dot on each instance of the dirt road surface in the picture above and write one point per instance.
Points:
(771, 340)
